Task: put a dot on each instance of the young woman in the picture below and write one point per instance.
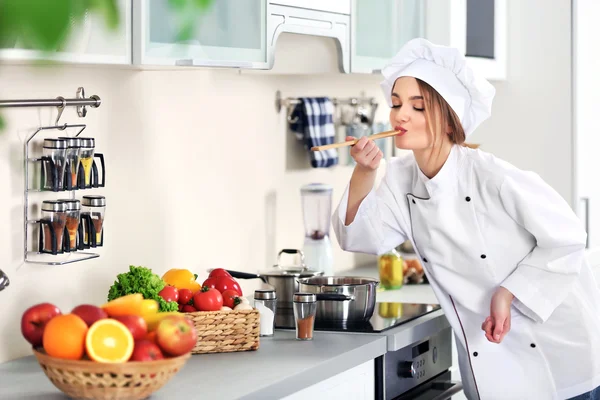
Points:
(503, 252)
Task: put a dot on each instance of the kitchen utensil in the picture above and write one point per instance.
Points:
(341, 299)
(53, 164)
(92, 220)
(380, 135)
(73, 157)
(316, 213)
(305, 309)
(54, 218)
(72, 222)
(282, 278)
(4, 281)
(265, 301)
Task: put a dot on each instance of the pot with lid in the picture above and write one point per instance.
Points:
(284, 279)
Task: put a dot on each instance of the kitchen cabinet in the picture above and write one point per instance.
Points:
(357, 383)
(91, 42)
(380, 28)
(335, 6)
(229, 34)
(478, 29)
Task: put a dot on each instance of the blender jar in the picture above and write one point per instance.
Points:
(53, 163)
(72, 162)
(72, 222)
(316, 212)
(54, 215)
(87, 159)
(92, 220)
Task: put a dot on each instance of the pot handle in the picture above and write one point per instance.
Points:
(334, 297)
(243, 275)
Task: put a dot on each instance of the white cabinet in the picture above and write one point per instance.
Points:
(335, 6)
(357, 383)
(230, 33)
(91, 42)
(380, 28)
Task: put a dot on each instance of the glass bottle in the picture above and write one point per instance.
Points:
(305, 310)
(265, 301)
(391, 270)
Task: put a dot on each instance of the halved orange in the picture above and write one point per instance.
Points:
(130, 304)
(109, 341)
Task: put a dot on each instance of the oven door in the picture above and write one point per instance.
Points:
(439, 388)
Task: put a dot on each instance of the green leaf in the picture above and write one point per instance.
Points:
(110, 11)
(43, 25)
(177, 4)
(2, 124)
(203, 4)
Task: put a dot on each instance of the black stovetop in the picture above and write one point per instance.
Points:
(385, 316)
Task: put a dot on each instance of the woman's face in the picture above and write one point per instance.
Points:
(407, 115)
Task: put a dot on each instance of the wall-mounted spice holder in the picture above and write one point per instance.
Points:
(59, 242)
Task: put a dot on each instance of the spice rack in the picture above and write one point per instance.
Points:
(81, 102)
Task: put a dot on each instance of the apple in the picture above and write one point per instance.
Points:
(34, 320)
(89, 313)
(136, 325)
(146, 350)
(169, 293)
(176, 335)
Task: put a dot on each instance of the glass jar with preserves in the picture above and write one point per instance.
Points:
(391, 270)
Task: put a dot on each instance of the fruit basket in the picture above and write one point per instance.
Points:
(226, 331)
(83, 379)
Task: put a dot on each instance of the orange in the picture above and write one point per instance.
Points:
(130, 304)
(109, 341)
(64, 337)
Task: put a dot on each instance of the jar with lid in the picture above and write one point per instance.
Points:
(53, 164)
(265, 301)
(73, 157)
(72, 223)
(305, 311)
(92, 220)
(391, 270)
(54, 215)
(88, 146)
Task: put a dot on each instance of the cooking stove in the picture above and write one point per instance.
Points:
(385, 316)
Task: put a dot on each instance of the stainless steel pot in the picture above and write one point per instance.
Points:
(342, 299)
(283, 279)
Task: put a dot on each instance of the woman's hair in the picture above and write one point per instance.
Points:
(440, 117)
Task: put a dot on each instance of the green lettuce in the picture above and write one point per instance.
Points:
(141, 280)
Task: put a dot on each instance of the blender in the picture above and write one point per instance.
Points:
(316, 211)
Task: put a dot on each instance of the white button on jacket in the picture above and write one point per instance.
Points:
(481, 223)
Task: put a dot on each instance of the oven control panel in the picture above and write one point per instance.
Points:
(412, 365)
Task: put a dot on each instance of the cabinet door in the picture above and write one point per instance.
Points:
(380, 28)
(91, 42)
(230, 33)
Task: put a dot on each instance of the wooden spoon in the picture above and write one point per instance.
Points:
(353, 142)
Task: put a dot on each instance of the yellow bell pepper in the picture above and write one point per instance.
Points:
(181, 279)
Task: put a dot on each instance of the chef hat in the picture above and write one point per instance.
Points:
(446, 70)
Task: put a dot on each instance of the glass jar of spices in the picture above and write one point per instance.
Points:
(92, 220)
(53, 164)
(305, 311)
(265, 301)
(88, 146)
(73, 157)
(72, 222)
(54, 216)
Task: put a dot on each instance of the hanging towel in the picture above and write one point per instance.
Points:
(313, 126)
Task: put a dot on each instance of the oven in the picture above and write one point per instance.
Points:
(419, 371)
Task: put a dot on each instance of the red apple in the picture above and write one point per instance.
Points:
(146, 350)
(89, 313)
(34, 320)
(169, 293)
(176, 335)
(188, 308)
(185, 295)
(136, 325)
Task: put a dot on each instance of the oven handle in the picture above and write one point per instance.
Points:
(451, 391)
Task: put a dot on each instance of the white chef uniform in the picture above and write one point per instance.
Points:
(481, 223)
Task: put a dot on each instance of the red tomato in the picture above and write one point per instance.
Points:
(188, 308)
(219, 272)
(185, 295)
(169, 293)
(223, 283)
(208, 299)
(229, 297)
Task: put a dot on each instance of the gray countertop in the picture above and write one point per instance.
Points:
(280, 367)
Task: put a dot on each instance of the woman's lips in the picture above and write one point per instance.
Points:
(400, 129)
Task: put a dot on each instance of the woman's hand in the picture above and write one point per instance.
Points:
(497, 325)
(366, 153)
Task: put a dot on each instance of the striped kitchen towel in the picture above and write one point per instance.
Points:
(313, 125)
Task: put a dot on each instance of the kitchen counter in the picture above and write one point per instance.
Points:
(280, 367)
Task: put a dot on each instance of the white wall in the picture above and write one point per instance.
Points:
(198, 160)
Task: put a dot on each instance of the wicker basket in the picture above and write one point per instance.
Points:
(82, 379)
(226, 331)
